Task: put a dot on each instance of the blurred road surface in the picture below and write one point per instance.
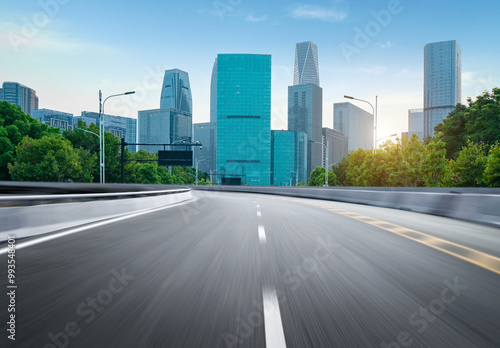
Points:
(247, 270)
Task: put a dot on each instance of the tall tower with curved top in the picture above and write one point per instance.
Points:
(176, 91)
(306, 64)
(305, 102)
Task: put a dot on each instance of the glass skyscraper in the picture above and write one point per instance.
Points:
(442, 82)
(244, 117)
(416, 123)
(306, 68)
(305, 102)
(355, 123)
(176, 91)
(205, 133)
(164, 126)
(288, 158)
(305, 114)
(213, 94)
(18, 94)
(337, 146)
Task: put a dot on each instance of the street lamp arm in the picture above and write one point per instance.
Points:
(389, 136)
(361, 100)
(87, 131)
(102, 138)
(116, 95)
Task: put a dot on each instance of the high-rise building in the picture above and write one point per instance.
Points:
(176, 91)
(306, 68)
(305, 114)
(288, 157)
(164, 126)
(213, 94)
(442, 82)
(18, 94)
(54, 118)
(119, 126)
(244, 117)
(355, 123)
(305, 102)
(337, 147)
(205, 133)
(416, 123)
(173, 121)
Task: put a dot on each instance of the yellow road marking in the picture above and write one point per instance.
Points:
(476, 257)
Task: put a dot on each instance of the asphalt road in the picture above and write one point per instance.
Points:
(247, 270)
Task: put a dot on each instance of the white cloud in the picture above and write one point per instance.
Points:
(251, 18)
(385, 45)
(16, 38)
(319, 13)
(375, 70)
(403, 72)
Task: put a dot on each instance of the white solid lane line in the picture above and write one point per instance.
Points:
(275, 337)
(262, 234)
(36, 241)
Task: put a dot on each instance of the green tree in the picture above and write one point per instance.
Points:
(317, 177)
(477, 122)
(405, 168)
(7, 150)
(90, 142)
(14, 125)
(359, 163)
(467, 170)
(340, 170)
(491, 173)
(452, 131)
(149, 173)
(46, 159)
(434, 163)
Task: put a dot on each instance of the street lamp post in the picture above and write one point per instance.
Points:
(325, 149)
(374, 113)
(102, 170)
(197, 162)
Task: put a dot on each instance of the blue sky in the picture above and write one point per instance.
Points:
(69, 49)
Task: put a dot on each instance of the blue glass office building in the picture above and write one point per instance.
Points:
(18, 94)
(176, 91)
(288, 158)
(244, 117)
(306, 68)
(305, 114)
(442, 82)
(305, 102)
(164, 126)
(206, 135)
(54, 118)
